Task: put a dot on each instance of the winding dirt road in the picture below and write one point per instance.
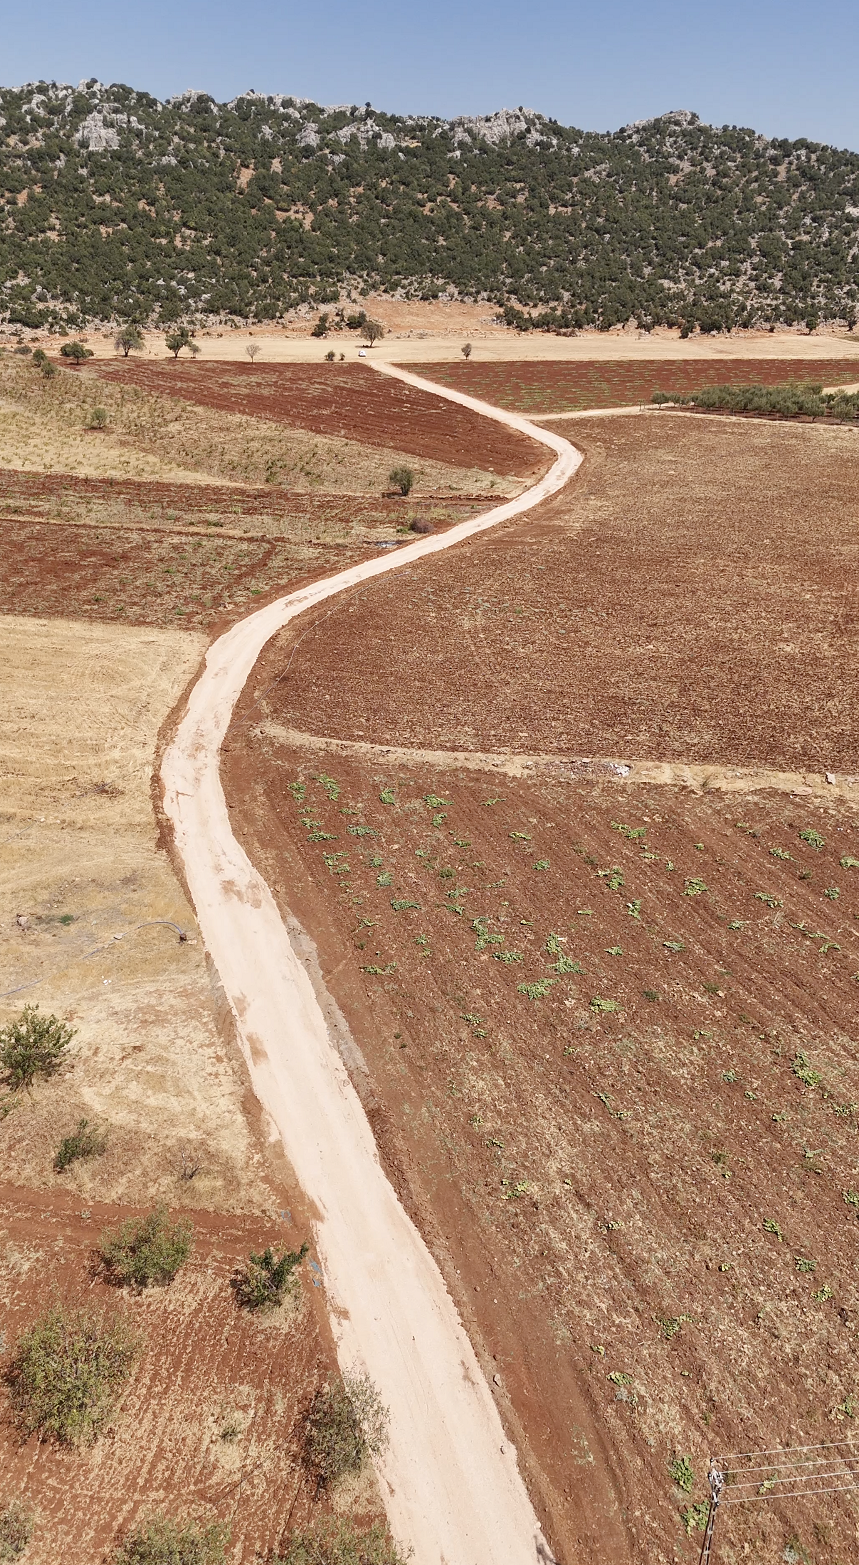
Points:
(450, 1477)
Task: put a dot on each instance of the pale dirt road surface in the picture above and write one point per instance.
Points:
(450, 1478)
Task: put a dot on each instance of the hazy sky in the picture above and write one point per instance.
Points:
(786, 68)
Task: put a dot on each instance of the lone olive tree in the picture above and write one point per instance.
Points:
(466, 351)
(129, 340)
(253, 351)
(373, 331)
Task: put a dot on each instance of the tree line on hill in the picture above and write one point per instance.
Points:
(118, 207)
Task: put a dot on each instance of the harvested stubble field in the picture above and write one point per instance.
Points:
(605, 1027)
(556, 388)
(161, 435)
(346, 401)
(210, 1422)
(690, 597)
(162, 554)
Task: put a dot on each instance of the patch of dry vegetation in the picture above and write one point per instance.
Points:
(44, 426)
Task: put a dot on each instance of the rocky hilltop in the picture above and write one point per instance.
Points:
(118, 206)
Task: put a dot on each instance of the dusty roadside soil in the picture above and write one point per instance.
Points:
(155, 1062)
(690, 597)
(605, 1027)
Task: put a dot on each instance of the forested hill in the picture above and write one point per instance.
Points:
(118, 206)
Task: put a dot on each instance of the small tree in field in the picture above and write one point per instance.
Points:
(33, 1045)
(129, 340)
(347, 1423)
(177, 339)
(146, 1250)
(66, 1373)
(76, 352)
(162, 1541)
(339, 1541)
(253, 351)
(373, 331)
(466, 351)
(268, 1278)
(98, 419)
(402, 479)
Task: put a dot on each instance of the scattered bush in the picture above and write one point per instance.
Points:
(98, 418)
(146, 1250)
(161, 1541)
(331, 356)
(337, 1541)
(402, 479)
(48, 369)
(40, 357)
(682, 1472)
(84, 1142)
(347, 1422)
(421, 524)
(16, 1529)
(33, 1045)
(267, 1279)
(66, 1372)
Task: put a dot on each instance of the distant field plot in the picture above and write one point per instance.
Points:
(690, 596)
(167, 554)
(606, 1030)
(557, 388)
(346, 401)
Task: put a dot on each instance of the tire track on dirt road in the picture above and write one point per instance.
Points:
(450, 1478)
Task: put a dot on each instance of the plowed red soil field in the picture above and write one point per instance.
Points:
(342, 399)
(210, 1423)
(556, 388)
(606, 1026)
(691, 596)
(132, 551)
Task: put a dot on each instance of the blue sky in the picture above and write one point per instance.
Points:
(786, 68)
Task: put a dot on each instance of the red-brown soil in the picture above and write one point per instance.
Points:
(690, 596)
(137, 552)
(620, 1172)
(348, 400)
(556, 387)
(206, 1365)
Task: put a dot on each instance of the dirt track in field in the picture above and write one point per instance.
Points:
(554, 387)
(207, 1367)
(344, 400)
(690, 598)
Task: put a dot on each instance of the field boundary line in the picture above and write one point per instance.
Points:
(451, 1481)
(701, 776)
